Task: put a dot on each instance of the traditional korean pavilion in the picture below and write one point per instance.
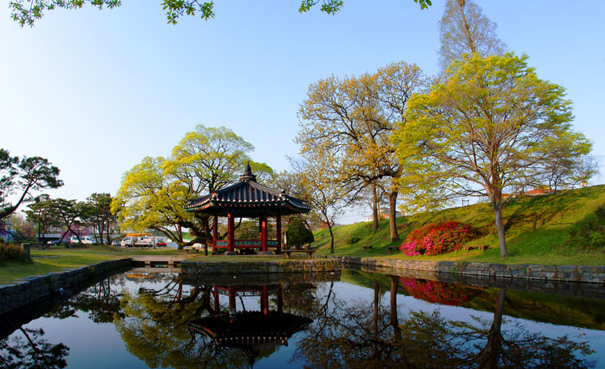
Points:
(247, 199)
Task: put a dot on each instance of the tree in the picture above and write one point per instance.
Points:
(350, 122)
(464, 29)
(148, 199)
(69, 212)
(318, 185)
(22, 176)
(485, 131)
(298, 234)
(41, 213)
(28, 11)
(154, 193)
(23, 225)
(96, 211)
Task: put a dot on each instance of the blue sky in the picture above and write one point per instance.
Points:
(96, 91)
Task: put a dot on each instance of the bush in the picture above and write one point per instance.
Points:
(353, 240)
(437, 238)
(298, 234)
(589, 233)
(13, 253)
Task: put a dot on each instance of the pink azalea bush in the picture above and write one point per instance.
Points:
(437, 238)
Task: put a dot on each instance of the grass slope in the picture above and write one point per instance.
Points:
(536, 231)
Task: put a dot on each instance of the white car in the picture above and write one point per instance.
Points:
(85, 239)
(197, 247)
(128, 241)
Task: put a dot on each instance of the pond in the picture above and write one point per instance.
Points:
(354, 319)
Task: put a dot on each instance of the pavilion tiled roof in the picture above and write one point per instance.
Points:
(247, 197)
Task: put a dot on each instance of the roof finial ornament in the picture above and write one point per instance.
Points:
(247, 176)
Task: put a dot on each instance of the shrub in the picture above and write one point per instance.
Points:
(589, 233)
(13, 253)
(298, 234)
(353, 240)
(437, 238)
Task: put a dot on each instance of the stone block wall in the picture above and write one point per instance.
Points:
(31, 289)
(193, 269)
(559, 273)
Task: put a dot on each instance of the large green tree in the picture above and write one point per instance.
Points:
(486, 131)
(28, 11)
(153, 194)
(19, 177)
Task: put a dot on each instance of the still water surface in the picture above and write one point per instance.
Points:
(348, 320)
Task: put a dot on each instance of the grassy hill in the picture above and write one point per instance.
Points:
(536, 231)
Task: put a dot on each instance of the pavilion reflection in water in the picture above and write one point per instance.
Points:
(250, 331)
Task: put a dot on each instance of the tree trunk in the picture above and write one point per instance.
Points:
(394, 315)
(490, 354)
(375, 225)
(331, 238)
(392, 216)
(500, 229)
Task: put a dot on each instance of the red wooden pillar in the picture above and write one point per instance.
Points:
(230, 231)
(263, 240)
(214, 233)
(278, 232)
(264, 300)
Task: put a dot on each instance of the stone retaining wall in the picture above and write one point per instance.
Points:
(32, 289)
(560, 273)
(193, 269)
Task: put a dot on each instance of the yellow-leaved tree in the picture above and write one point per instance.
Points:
(347, 124)
(487, 130)
(153, 194)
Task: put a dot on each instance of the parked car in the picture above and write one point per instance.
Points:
(161, 243)
(128, 241)
(115, 243)
(84, 239)
(197, 247)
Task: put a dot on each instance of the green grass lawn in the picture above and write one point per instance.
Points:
(536, 231)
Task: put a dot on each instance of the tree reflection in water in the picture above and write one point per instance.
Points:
(368, 335)
(162, 326)
(188, 326)
(29, 350)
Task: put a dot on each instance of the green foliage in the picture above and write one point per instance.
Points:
(21, 176)
(153, 194)
(589, 233)
(298, 233)
(13, 253)
(485, 130)
(28, 11)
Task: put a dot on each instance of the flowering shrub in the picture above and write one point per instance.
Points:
(439, 292)
(437, 238)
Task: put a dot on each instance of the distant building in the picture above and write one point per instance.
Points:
(538, 191)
